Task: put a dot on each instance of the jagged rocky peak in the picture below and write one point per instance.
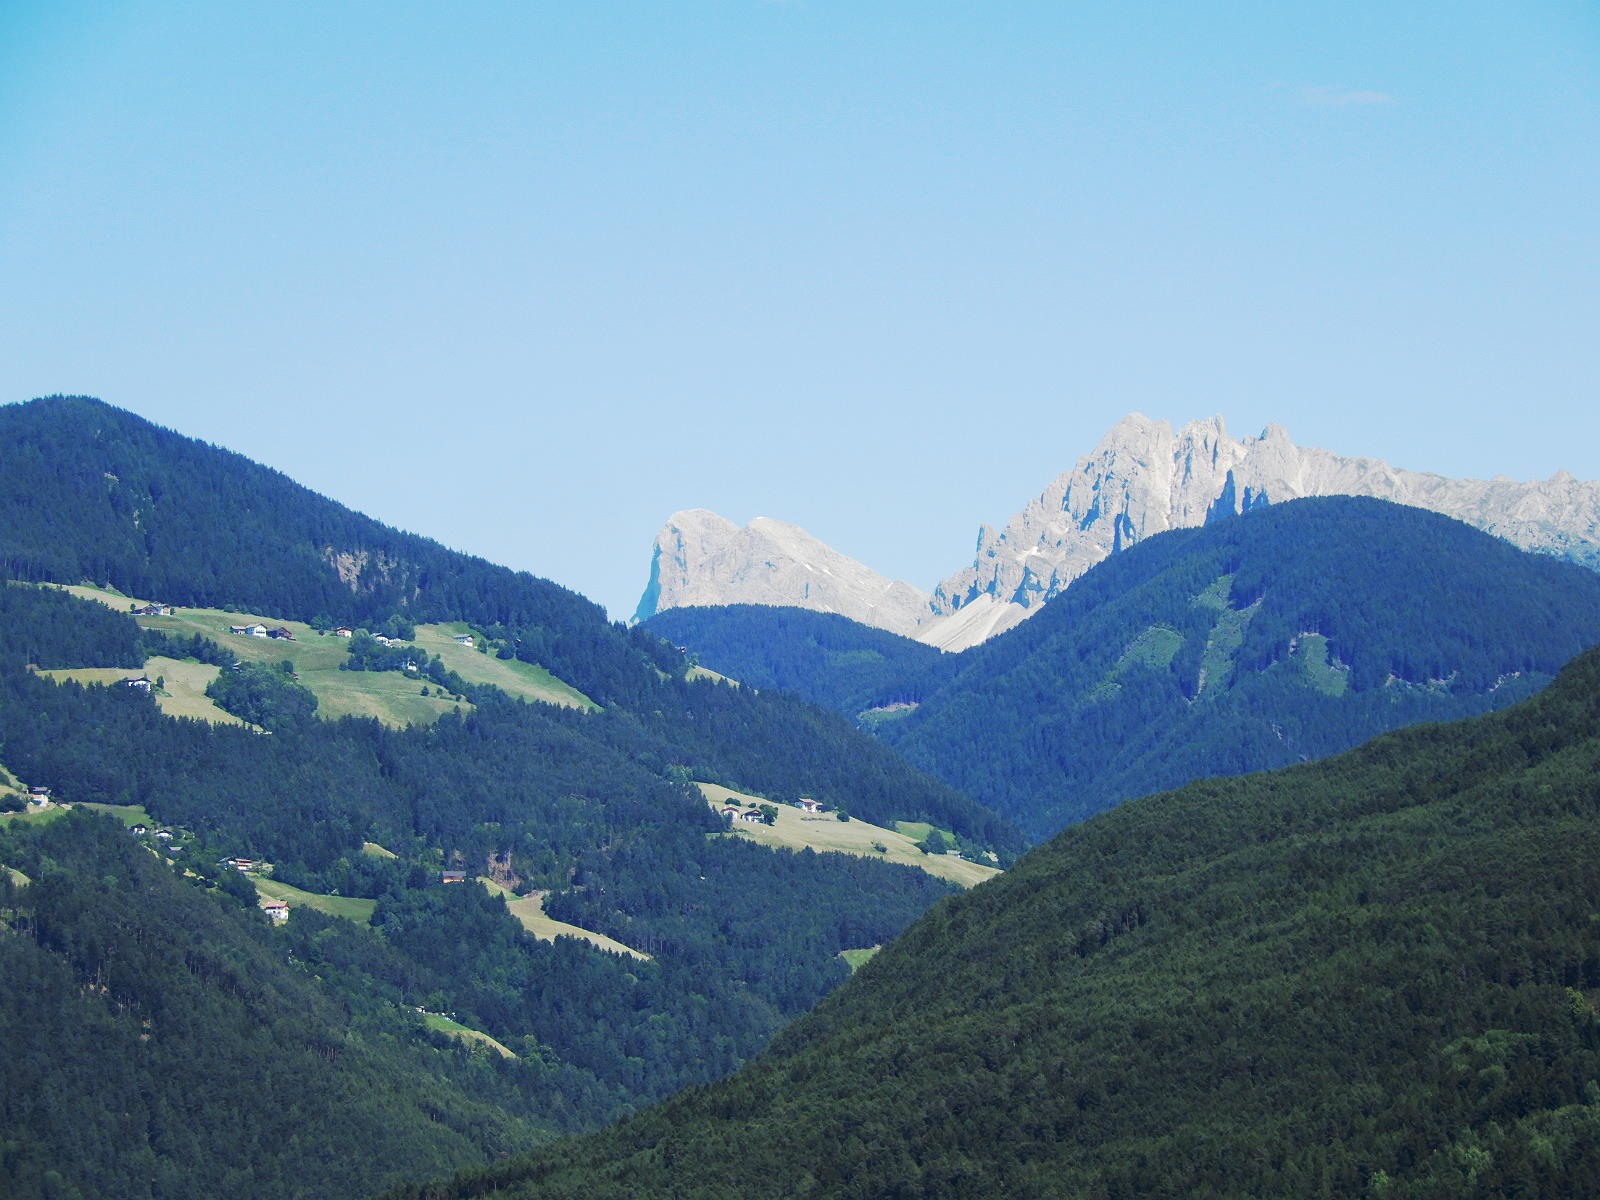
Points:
(1145, 477)
(703, 558)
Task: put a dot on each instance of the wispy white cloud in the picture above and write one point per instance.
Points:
(1327, 96)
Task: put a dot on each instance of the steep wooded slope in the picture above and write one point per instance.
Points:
(580, 805)
(1376, 975)
(161, 1043)
(828, 659)
(593, 809)
(1275, 637)
(90, 492)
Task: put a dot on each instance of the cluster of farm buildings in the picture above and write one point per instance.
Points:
(737, 812)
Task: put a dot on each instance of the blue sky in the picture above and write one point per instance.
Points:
(529, 277)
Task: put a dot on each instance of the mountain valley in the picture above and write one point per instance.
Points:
(438, 866)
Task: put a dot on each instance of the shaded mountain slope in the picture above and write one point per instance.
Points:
(830, 660)
(158, 1044)
(91, 492)
(1376, 975)
(1282, 635)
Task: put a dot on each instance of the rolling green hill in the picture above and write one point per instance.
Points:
(1378, 975)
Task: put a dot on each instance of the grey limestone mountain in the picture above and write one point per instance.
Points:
(1143, 478)
(703, 558)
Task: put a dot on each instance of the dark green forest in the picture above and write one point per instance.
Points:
(594, 810)
(1287, 634)
(162, 1041)
(159, 515)
(831, 660)
(1374, 976)
(550, 798)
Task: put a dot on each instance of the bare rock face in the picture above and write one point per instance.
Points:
(703, 558)
(1144, 478)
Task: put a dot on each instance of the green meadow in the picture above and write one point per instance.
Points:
(457, 1030)
(797, 830)
(351, 908)
(393, 697)
(856, 957)
(529, 910)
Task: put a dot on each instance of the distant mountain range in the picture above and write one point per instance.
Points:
(1288, 633)
(1143, 478)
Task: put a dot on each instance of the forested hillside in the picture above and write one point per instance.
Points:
(160, 1043)
(828, 659)
(587, 816)
(549, 798)
(93, 493)
(1378, 975)
(1286, 634)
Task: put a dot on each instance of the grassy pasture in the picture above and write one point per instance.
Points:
(186, 684)
(856, 957)
(918, 830)
(1317, 666)
(510, 675)
(1227, 635)
(351, 908)
(110, 597)
(797, 829)
(529, 910)
(393, 697)
(377, 851)
(186, 689)
(36, 816)
(457, 1030)
(129, 814)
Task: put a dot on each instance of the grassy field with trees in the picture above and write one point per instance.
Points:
(794, 829)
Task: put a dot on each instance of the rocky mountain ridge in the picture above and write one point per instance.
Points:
(1144, 477)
